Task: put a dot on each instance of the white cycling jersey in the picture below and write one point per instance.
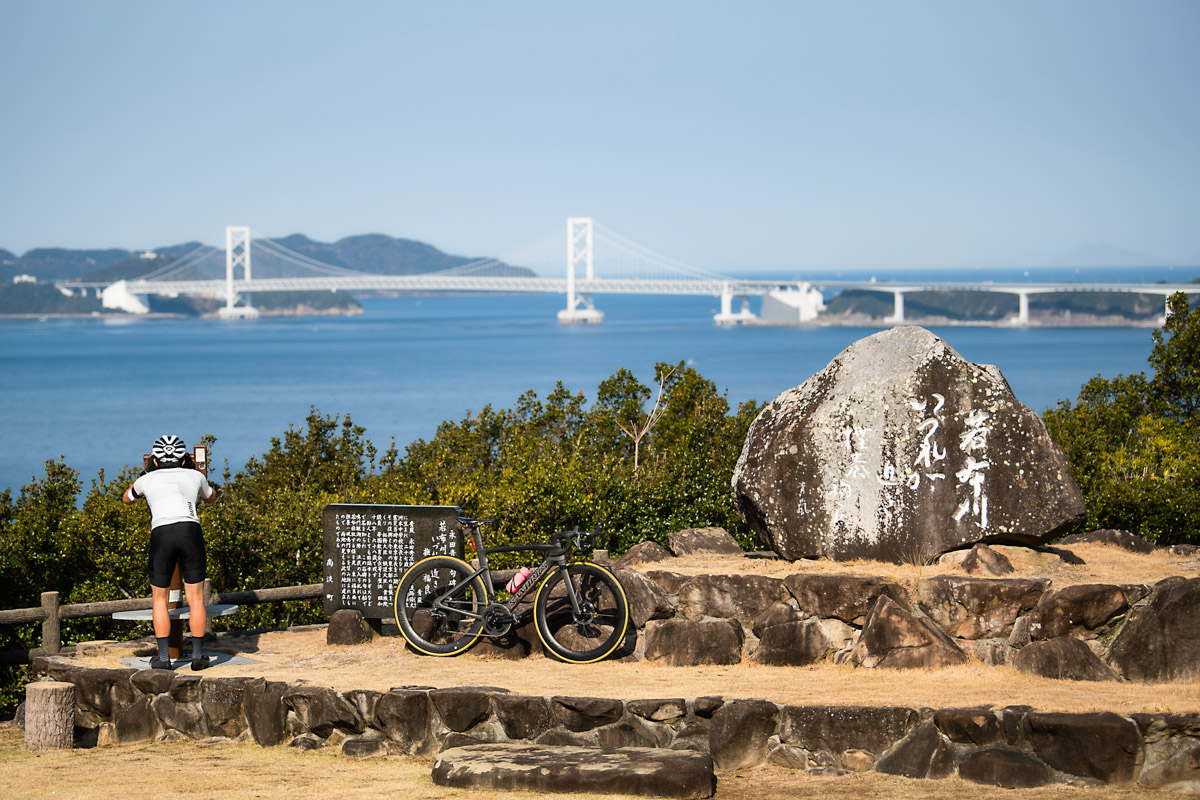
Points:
(172, 494)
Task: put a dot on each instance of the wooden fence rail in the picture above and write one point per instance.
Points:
(50, 613)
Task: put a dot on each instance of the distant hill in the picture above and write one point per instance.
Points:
(56, 264)
(374, 252)
(43, 298)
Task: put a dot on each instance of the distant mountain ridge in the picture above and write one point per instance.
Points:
(373, 252)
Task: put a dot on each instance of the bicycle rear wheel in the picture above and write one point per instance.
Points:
(439, 606)
(597, 629)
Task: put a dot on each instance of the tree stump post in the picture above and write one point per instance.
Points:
(49, 715)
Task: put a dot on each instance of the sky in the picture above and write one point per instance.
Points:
(734, 137)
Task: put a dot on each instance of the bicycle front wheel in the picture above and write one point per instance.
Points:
(593, 630)
(439, 606)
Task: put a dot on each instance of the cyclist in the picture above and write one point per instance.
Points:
(171, 487)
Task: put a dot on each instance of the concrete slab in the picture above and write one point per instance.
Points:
(185, 662)
(642, 771)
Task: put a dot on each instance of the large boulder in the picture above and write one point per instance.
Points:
(740, 597)
(1100, 746)
(690, 643)
(894, 637)
(1123, 539)
(1161, 641)
(488, 768)
(1081, 610)
(739, 733)
(901, 450)
(845, 597)
(704, 541)
(977, 608)
(1064, 658)
(792, 644)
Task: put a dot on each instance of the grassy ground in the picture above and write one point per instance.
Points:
(235, 771)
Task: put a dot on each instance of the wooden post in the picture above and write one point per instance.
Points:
(49, 715)
(51, 625)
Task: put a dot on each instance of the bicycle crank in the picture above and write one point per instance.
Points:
(497, 620)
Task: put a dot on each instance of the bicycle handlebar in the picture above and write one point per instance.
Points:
(583, 540)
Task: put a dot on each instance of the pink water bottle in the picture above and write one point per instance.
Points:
(515, 582)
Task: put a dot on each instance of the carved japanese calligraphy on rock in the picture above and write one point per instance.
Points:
(900, 450)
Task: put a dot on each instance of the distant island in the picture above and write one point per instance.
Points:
(27, 281)
(951, 307)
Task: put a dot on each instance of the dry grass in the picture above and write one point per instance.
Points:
(236, 771)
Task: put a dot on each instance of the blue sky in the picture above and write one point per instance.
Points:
(731, 136)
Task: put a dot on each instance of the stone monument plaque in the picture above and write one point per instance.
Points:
(367, 548)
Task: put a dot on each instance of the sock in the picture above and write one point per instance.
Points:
(164, 648)
(197, 647)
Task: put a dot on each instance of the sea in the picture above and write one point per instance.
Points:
(96, 392)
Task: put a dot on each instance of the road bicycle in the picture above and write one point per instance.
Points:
(445, 605)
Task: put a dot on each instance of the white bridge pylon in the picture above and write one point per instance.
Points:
(580, 249)
(237, 254)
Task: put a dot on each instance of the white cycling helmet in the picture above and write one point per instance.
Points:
(168, 451)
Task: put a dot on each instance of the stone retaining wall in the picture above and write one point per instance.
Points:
(1014, 746)
(1082, 632)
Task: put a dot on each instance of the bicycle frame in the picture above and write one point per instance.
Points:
(556, 557)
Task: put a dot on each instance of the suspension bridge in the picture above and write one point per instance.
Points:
(598, 261)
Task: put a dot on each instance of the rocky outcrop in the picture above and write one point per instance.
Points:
(983, 560)
(647, 552)
(900, 450)
(703, 541)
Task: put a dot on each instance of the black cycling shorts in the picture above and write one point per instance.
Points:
(179, 543)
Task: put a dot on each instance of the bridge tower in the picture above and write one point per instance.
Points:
(237, 254)
(579, 249)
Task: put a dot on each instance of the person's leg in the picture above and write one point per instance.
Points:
(162, 620)
(197, 613)
(162, 623)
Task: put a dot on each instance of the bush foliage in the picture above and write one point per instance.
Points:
(1133, 441)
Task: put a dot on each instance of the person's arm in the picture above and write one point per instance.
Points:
(208, 491)
(131, 496)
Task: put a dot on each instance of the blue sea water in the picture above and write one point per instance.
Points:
(98, 391)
